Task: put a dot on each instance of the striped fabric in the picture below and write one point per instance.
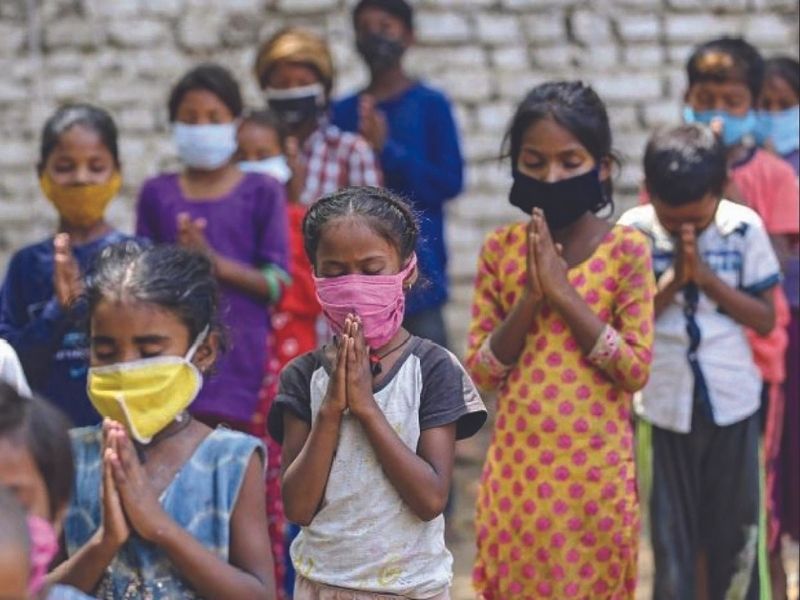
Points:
(336, 159)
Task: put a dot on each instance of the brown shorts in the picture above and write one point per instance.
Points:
(305, 589)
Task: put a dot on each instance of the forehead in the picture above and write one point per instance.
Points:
(80, 138)
(125, 316)
(294, 71)
(547, 135)
(201, 99)
(715, 86)
(777, 86)
(351, 235)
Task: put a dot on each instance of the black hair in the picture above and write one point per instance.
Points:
(397, 8)
(44, 431)
(267, 119)
(91, 117)
(386, 213)
(576, 107)
(786, 68)
(684, 164)
(173, 278)
(745, 64)
(211, 78)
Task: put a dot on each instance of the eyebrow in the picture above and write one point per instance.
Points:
(141, 339)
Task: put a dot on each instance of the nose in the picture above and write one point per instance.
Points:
(82, 175)
(554, 173)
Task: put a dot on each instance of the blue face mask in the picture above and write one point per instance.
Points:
(734, 129)
(274, 166)
(205, 147)
(781, 128)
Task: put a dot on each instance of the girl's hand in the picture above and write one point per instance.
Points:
(335, 401)
(534, 287)
(192, 233)
(67, 281)
(550, 265)
(115, 530)
(359, 375)
(296, 185)
(144, 511)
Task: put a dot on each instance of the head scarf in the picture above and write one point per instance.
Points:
(295, 45)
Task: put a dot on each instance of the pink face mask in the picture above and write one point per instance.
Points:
(379, 300)
(44, 546)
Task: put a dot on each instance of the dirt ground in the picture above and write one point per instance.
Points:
(461, 538)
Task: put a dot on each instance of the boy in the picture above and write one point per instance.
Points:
(717, 275)
(411, 127)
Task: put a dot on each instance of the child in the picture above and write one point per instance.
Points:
(779, 108)
(294, 69)
(164, 506)
(717, 275)
(79, 172)
(36, 464)
(562, 327)
(369, 423)
(261, 142)
(725, 80)
(237, 219)
(15, 544)
(411, 127)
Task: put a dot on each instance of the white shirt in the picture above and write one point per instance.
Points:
(737, 249)
(11, 369)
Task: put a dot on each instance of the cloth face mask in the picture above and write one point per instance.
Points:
(296, 105)
(44, 546)
(781, 129)
(274, 166)
(81, 205)
(379, 51)
(204, 147)
(734, 129)
(146, 394)
(563, 202)
(379, 300)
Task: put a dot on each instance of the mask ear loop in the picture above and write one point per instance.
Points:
(201, 337)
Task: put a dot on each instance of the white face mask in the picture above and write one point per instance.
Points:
(205, 147)
(274, 166)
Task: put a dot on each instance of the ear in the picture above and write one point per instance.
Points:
(207, 352)
(605, 167)
(411, 279)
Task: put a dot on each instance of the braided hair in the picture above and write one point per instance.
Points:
(386, 213)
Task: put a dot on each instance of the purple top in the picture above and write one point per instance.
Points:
(248, 224)
(793, 158)
(791, 275)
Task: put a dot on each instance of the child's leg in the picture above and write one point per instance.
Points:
(730, 510)
(674, 503)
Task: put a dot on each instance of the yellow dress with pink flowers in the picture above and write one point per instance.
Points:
(557, 513)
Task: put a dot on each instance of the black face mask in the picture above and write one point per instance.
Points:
(296, 105)
(563, 202)
(379, 52)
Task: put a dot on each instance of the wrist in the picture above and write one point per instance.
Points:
(159, 531)
(366, 409)
(104, 544)
(329, 415)
(561, 296)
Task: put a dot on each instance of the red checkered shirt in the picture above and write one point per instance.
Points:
(336, 159)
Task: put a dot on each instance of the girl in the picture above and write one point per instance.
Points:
(779, 108)
(562, 324)
(369, 423)
(164, 506)
(79, 172)
(36, 465)
(238, 219)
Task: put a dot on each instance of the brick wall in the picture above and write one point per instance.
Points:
(124, 55)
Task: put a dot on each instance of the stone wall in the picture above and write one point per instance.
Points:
(125, 54)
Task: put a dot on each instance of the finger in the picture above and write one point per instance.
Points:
(200, 224)
(183, 221)
(560, 249)
(127, 454)
(717, 125)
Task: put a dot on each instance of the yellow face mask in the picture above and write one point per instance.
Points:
(148, 394)
(81, 205)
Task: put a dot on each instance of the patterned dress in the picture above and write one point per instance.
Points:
(557, 513)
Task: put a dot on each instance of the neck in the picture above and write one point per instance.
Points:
(737, 153)
(388, 82)
(84, 235)
(574, 230)
(302, 131)
(180, 423)
(205, 176)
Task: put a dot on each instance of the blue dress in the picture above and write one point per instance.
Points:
(200, 498)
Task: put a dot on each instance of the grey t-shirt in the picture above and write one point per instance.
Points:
(364, 536)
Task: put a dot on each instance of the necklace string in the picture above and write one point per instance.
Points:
(375, 359)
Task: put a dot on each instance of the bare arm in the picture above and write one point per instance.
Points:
(242, 277)
(756, 312)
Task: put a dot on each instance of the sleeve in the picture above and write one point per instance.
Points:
(294, 395)
(11, 369)
(623, 350)
(362, 167)
(448, 395)
(760, 268)
(34, 338)
(436, 173)
(487, 314)
(782, 208)
(272, 226)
